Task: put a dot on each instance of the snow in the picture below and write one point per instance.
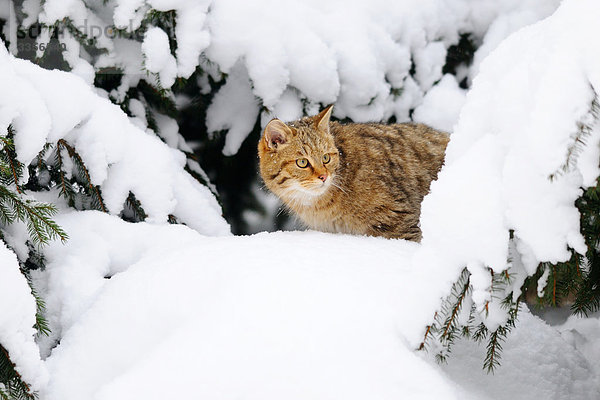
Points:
(47, 106)
(190, 17)
(17, 317)
(354, 53)
(52, 105)
(506, 166)
(545, 362)
(158, 58)
(430, 60)
(511, 16)
(125, 12)
(216, 314)
(270, 316)
(235, 108)
(441, 105)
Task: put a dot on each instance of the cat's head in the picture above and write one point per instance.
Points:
(298, 160)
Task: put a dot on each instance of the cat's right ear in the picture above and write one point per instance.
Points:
(276, 133)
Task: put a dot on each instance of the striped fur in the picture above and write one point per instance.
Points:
(377, 175)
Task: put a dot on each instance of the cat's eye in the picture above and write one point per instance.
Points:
(302, 162)
(326, 158)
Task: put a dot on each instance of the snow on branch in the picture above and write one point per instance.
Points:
(375, 60)
(526, 117)
(116, 157)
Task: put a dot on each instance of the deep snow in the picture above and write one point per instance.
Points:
(163, 312)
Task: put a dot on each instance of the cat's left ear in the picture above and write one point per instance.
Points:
(322, 119)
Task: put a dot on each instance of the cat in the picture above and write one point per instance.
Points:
(365, 179)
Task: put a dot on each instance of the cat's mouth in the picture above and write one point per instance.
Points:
(306, 193)
(318, 187)
(321, 187)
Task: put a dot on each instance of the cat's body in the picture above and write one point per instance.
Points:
(356, 178)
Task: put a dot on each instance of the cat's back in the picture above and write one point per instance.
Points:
(406, 151)
(385, 170)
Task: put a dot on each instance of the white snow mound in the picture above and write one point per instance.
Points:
(294, 315)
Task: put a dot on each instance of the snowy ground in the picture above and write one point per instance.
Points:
(294, 315)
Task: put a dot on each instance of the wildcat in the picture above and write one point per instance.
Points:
(364, 179)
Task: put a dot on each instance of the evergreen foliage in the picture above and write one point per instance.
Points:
(12, 386)
(575, 282)
(587, 266)
(458, 317)
(79, 180)
(16, 206)
(59, 165)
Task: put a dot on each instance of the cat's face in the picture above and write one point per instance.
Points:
(298, 161)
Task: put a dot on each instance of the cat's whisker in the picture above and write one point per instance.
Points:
(280, 211)
(339, 187)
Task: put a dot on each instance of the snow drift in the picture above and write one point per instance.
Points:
(163, 312)
(46, 106)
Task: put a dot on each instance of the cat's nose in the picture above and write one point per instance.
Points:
(323, 177)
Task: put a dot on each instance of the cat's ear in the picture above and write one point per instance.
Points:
(322, 119)
(276, 133)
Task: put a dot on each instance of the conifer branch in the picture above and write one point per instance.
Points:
(494, 348)
(584, 131)
(16, 388)
(41, 324)
(40, 226)
(133, 204)
(422, 345)
(8, 146)
(450, 323)
(65, 191)
(554, 286)
(97, 196)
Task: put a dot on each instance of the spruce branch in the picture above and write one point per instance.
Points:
(459, 291)
(66, 188)
(41, 324)
(554, 303)
(579, 138)
(15, 386)
(480, 333)
(10, 157)
(577, 281)
(136, 211)
(494, 348)
(445, 321)
(97, 201)
(37, 216)
(427, 331)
